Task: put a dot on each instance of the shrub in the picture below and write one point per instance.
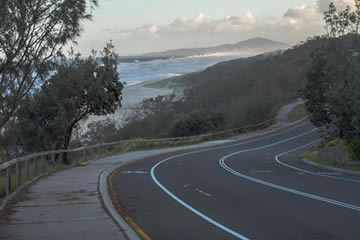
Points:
(197, 123)
(354, 150)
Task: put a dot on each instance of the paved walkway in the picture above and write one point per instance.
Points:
(66, 205)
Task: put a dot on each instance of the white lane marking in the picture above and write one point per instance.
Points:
(286, 189)
(200, 214)
(309, 172)
(330, 173)
(263, 171)
(184, 204)
(133, 172)
(203, 192)
(187, 185)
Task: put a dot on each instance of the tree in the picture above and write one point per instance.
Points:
(32, 33)
(78, 88)
(333, 85)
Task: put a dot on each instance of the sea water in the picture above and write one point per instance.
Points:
(134, 71)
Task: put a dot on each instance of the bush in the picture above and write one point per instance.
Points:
(354, 150)
(197, 123)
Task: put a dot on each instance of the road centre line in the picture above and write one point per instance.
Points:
(279, 187)
(200, 214)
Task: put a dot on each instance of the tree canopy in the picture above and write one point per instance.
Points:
(332, 91)
(79, 87)
(32, 33)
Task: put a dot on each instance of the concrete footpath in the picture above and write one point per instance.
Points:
(68, 204)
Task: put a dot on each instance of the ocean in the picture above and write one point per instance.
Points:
(134, 71)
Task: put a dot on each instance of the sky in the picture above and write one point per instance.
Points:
(142, 26)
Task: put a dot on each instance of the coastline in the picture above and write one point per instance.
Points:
(132, 96)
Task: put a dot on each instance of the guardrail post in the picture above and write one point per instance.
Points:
(43, 163)
(84, 155)
(61, 158)
(36, 168)
(69, 157)
(8, 185)
(96, 152)
(53, 159)
(27, 169)
(18, 175)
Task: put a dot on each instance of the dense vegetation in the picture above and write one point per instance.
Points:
(43, 94)
(228, 95)
(41, 115)
(32, 34)
(333, 85)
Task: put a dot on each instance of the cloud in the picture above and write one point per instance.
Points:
(199, 25)
(314, 11)
(295, 25)
(304, 12)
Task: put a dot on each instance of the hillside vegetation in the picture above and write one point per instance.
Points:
(228, 95)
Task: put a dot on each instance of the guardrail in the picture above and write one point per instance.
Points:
(21, 170)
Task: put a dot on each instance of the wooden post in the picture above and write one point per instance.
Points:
(84, 155)
(61, 158)
(36, 168)
(43, 163)
(53, 158)
(8, 186)
(27, 169)
(18, 174)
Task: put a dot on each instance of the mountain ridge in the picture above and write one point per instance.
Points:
(254, 44)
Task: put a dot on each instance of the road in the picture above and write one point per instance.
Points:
(251, 189)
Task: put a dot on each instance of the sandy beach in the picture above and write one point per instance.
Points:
(132, 96)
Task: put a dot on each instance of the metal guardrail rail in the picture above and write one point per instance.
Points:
(21, 170)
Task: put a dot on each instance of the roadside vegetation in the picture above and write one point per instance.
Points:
(332, 90)
(333, 154)
(228, 95)
(46, 98)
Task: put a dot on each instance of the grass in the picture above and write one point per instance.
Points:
(315, 157)
(297, 113)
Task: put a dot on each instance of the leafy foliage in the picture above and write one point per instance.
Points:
(32, 33)
(197, 123)
(242, 91)
(354, 149)
(333, 86)
(341, 23)
(78, 88)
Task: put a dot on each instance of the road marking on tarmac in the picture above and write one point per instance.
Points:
(200, 214)
(330, 173)
(279, 187)
(205, 193)
(310, 172)
(263, 171)
(133, 172)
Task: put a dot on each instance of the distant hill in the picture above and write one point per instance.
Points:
(250, 46)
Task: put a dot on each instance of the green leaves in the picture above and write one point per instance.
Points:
(333, 84)
(32, 34)
(79, 87)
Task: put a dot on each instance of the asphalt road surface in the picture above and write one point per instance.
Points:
(252, 189)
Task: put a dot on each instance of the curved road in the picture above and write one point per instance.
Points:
(251, 189)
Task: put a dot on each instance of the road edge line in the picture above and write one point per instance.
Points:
(128, 231)
(314, 164)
